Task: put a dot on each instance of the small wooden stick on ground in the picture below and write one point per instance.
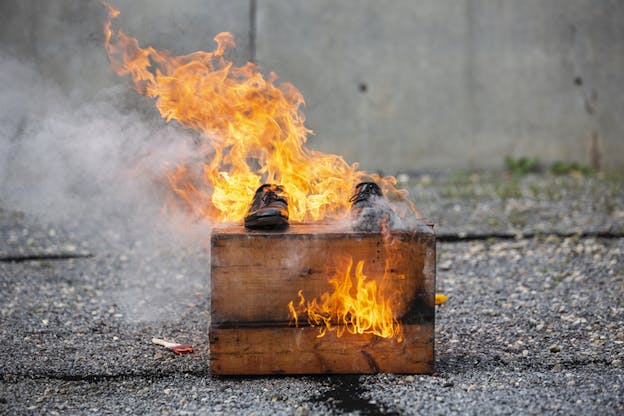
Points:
(173, 346)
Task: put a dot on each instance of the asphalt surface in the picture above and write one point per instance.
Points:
(533, 266)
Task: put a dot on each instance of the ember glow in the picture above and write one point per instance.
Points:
(251, 132)
(355, 305)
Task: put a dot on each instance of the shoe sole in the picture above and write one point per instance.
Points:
(267, 223)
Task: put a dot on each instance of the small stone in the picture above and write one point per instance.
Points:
(476, 249)
(448, 383)
(71, 248)
(167, 391)
(409, 379)
(525, 353)
(446, 265)
(554, 348)
(552, 239)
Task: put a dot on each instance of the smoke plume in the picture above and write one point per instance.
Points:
(95, 168)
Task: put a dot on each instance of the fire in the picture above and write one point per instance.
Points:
(356, 305)
(252, 132)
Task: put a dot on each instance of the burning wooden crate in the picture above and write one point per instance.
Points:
(314, 299)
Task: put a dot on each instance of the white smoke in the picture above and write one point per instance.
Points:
(98, 169)
(64, 160)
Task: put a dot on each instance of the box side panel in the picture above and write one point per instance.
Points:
(255, 276)
(287, 350)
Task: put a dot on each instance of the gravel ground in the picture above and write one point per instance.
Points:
(533, 325)
(468, 204)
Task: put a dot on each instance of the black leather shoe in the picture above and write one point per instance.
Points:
(269, 208)
(369, 207)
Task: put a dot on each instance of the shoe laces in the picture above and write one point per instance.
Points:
(366, 190)
(272, 196)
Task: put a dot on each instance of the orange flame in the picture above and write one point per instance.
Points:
(252, 132)
(360, 308)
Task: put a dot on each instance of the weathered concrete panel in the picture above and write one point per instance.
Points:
(407, 85)
(399, 85)
(65, 38)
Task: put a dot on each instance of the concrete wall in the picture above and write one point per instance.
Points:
(395, 85)
(64, 38)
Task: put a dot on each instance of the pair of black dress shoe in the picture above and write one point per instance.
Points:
(269, 208)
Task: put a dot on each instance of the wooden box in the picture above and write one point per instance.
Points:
(255, 274)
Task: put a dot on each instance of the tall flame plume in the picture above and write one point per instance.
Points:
(252, 132)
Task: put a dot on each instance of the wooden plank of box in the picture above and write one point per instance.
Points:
(255, 274)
